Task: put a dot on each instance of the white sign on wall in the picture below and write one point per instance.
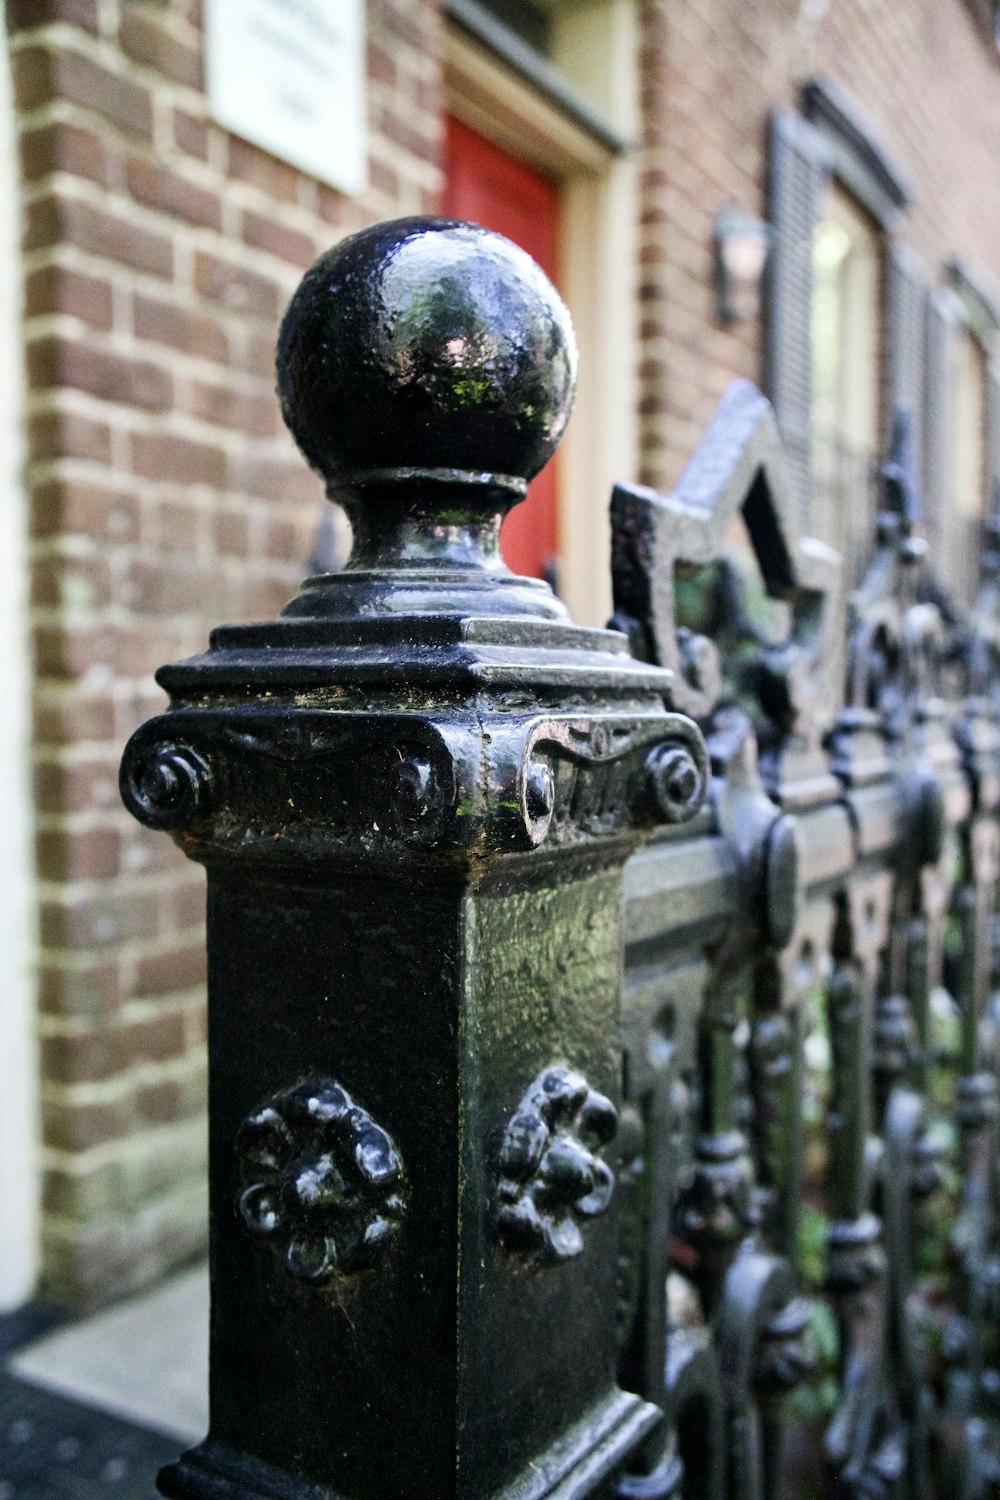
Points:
(289, 75)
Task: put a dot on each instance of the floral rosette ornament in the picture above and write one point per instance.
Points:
(321, 1180)
(551, 1174)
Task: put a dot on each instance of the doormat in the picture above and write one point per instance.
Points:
(54, 1448)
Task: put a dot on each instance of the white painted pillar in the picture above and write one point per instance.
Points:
(19, 1211)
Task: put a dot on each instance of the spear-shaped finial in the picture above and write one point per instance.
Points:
(991, 536)
(900, 510)
(900, 493)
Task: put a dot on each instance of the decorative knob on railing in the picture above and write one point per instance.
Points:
(426, 369)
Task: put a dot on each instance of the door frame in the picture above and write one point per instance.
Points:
(598, 257)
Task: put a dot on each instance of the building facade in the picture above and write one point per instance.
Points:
(150, 491)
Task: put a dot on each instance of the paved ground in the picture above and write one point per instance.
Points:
(55, 1449)
(90, 1410)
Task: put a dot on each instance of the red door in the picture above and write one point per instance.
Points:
(488, 185)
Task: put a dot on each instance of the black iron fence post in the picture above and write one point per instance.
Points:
(414, 795)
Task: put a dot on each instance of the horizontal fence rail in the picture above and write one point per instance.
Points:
(603, 1032)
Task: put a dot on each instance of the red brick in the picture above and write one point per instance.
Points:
(131, 649)
(401, 25)
(187, 904)
(333, 205)
(232, 533)
(160, 1103)
(78, 1125)
(191, 332)
(422, 144)
(62, 220)
(177, 460)
(236, 287)
(42, 75)
(178, 526)
(84, 1057)
(143, 853)
(274, 479)
(381, 65)
(72, 584)
(55, 361)
(169, 587)
(62, 147)
(88, 988)
(197, 1027)
(252, 350)
(284, 540)
(72, 717)
(159, 1039)
(70, 506)
(162, 189)
(67, 434)
(25, 15)
(191, 134)
(76, 506)
(79, 785)
(277, 178)
(241, 411)
(178, 969)
(145, 39)
(143, 702)
(57, 289)
(266, 232)
(101, 920)
(384, 179)
(90, 854)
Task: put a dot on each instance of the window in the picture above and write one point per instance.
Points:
(963, 429)
(857, 329)
(836, 196)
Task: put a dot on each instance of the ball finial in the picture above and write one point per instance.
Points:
(426, 349)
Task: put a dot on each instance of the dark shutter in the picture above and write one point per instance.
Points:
(938, 421)
(799, 176)
(907, 343)
(993, 435)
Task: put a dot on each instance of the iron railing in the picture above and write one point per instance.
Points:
(602, 1028)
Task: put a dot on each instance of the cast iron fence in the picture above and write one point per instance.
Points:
(602, 1029)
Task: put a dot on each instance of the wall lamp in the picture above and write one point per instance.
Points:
(741, 246)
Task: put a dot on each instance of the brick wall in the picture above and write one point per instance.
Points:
(159, 252)
(924, 71)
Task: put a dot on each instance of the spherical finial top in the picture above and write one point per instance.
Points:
(426, 345)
